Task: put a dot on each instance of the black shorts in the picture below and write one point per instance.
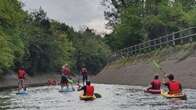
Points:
(64, 80)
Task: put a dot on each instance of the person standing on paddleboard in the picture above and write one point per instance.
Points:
(21, 78)
(65, 72)
(84, 74)
(174, 86)
(155, 83)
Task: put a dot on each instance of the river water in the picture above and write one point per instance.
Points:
(114, 97)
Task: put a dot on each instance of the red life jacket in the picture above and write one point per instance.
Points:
(156, 84)
(89, 90)
(174, 87)
(66, 71)
(21, 74)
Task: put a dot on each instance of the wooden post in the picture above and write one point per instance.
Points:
(139, 48)
(160, 42)
(127, 49)
(167, 40)
(181, 38)
(152, 46)
(130, 51)
(173, 39)
(134, 49)
(191, 39)
(190, 33)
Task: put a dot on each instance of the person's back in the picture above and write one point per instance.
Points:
(65, 71)
(21, 73)
(89, 90)
(174, 86)
(156, 84)
(84, 71)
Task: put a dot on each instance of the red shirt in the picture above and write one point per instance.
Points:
(156, 84)
(21, 73)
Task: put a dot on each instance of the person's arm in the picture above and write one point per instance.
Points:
(180, 87)
(164, 81)
(80, 72)
(151, 83)
(27, 75)
(82, 88)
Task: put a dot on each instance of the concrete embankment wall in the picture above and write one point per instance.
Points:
(180, 63)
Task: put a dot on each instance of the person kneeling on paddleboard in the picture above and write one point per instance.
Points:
(88, 89)
(21, 78)
(155, 83)
(174, 86)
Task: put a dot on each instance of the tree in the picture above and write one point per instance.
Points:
(138, 20)
(90, 51)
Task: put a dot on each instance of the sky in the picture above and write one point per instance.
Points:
(76, 13)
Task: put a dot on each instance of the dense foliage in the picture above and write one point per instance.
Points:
(43, 45)
(134, 21)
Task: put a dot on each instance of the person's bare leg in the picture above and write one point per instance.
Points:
(62, 85)
(22, 84)
(18, 85)
(67, 85)
(72, 87)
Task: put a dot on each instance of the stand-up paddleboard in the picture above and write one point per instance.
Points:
(67, 90)
(22, 93)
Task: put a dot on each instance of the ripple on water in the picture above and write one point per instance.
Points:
(114, 97)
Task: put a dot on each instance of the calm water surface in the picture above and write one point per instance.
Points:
(114, 97)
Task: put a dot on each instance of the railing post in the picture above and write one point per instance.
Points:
(130, 51)
(191, 39)
(139, 47)
(160, 42)
(134, 49)
(173, 39)
(127, 49)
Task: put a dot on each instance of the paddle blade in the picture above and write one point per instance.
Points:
(70, 81)
(97, 95)
(156, 64)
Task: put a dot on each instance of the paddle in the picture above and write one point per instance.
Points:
(157, 66)
(70, 81)
(97, 95)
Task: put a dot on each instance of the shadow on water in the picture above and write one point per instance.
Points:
(114, 97)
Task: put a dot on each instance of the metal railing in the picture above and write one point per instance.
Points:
(180, 37)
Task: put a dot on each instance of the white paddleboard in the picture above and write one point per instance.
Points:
(22, 93)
